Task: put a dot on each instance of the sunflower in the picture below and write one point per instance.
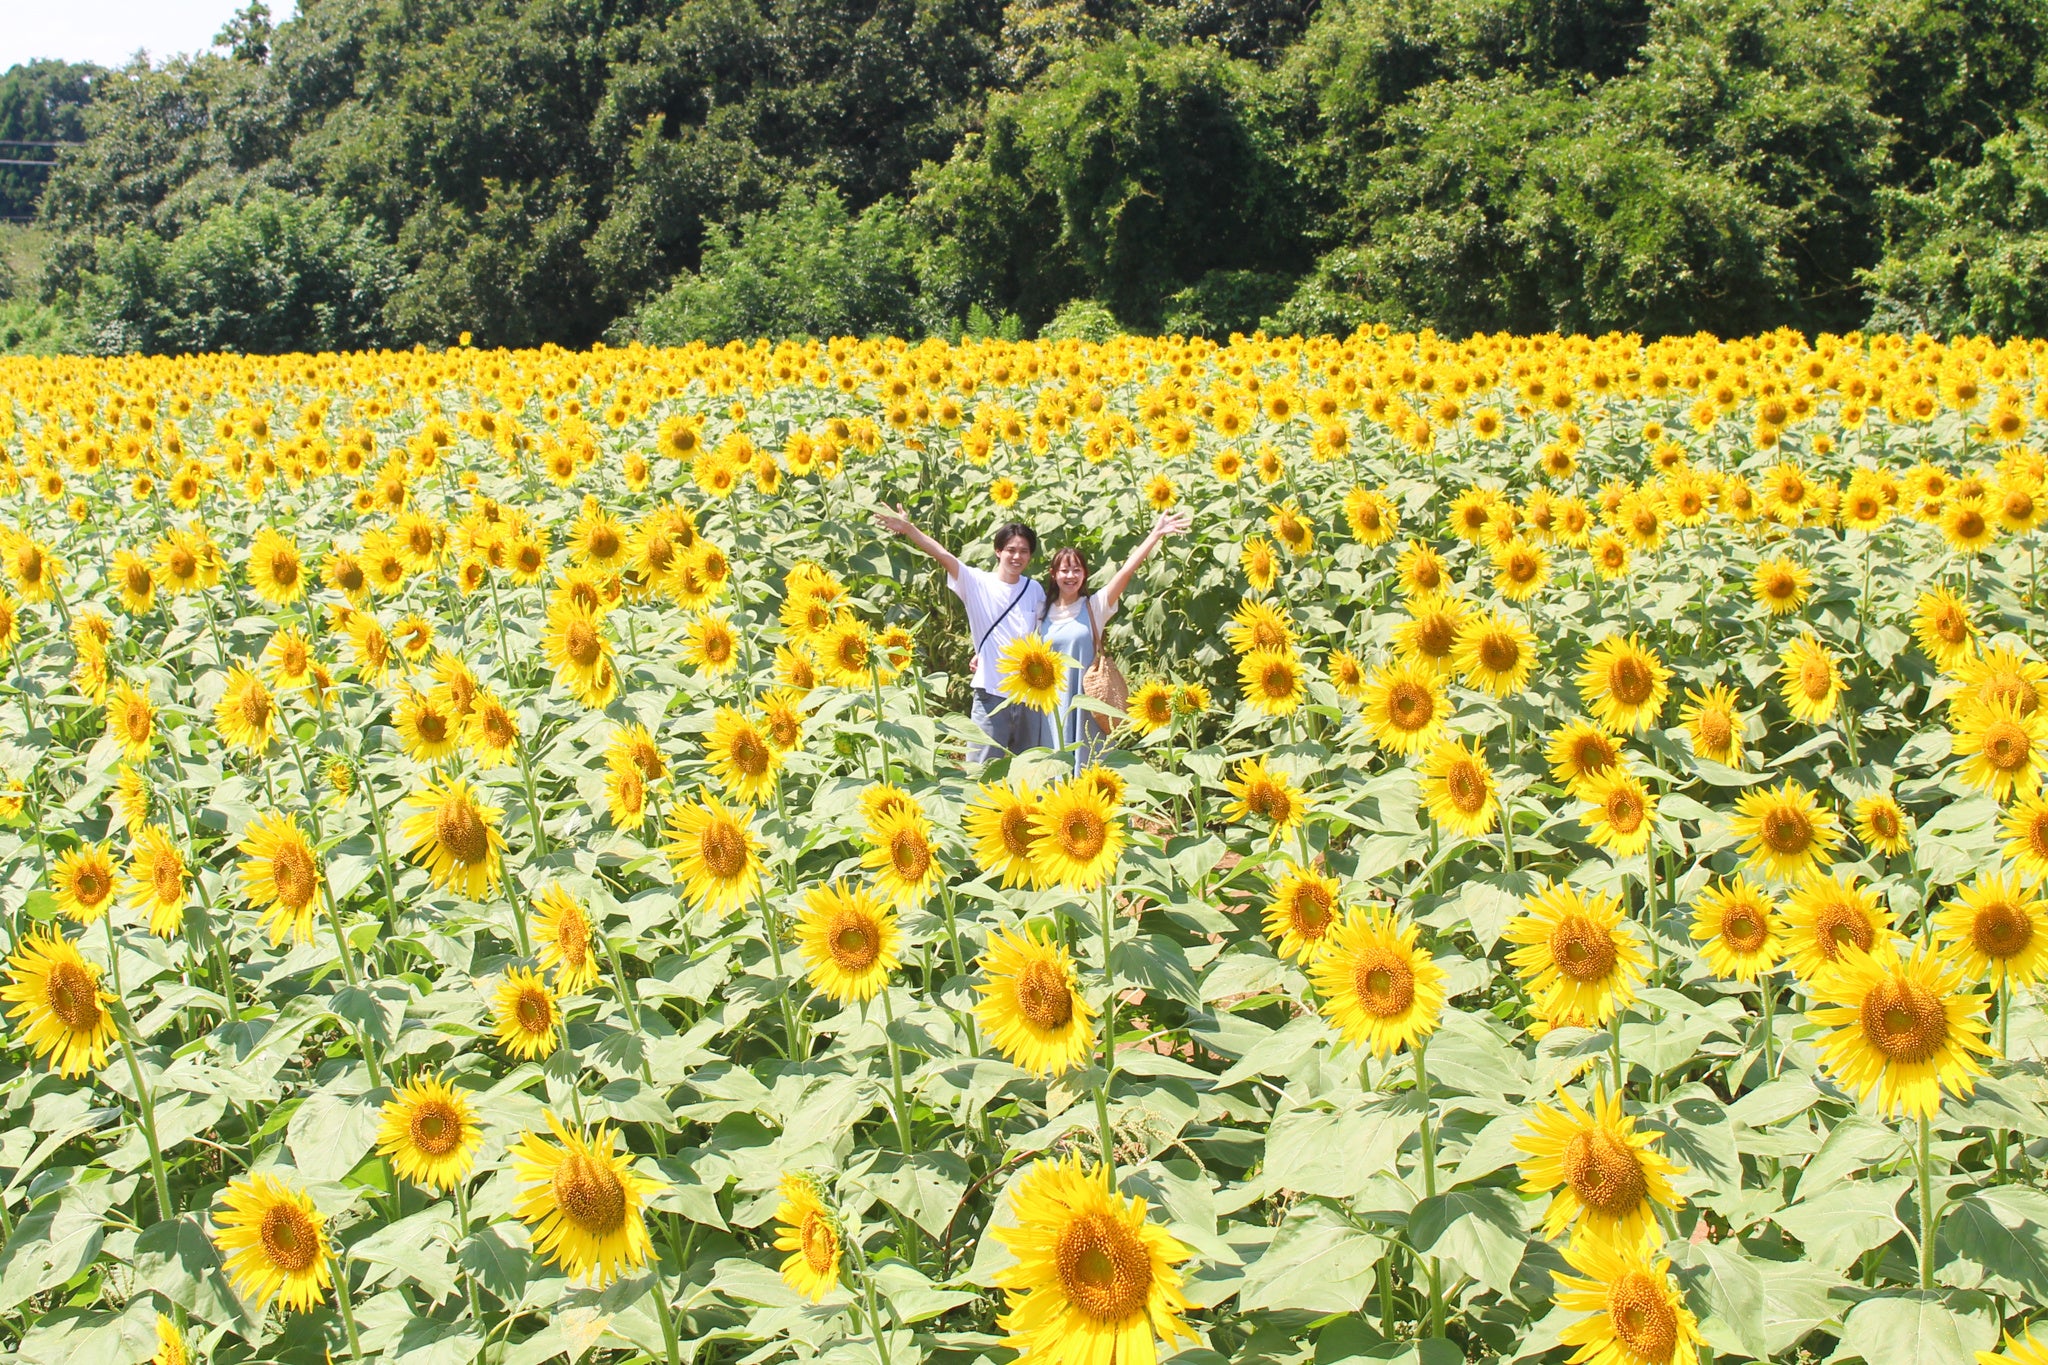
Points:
(712, 851)
(1457, 789)
(2028, 1351)
(1610, 555)
(1404, 707)
(811, 1235)
(1997, 927)
(1604, 1181)
(1272, 681)
(427, 725)
(1266, 794)
(1620, 814)
(1809, 680)
(1578, 955)
(905, 866)
(1713, 722)
(276, 571)
(1076, 839)
(131, 800)
(851, 941)
(845, 652)
(246, 714)
(430, 1133)
(1740, 927)
(574, 646)
(1095, 1280)
(1259, 562)
(1150, 708)
(1031, 1005)
(156, 881)
(1882, 825)
(998, 821)
(280, 876)
(1623, 684)
(583, 1202)
(1902, 1029)
(781, 717)
(83, 883)
(491, 730)
(1429, 637)
(1420, 569)
(561, 927)
(275, 1243)
(1191, 699)
(711, 646)
(2005, 748)
(57, 997)
(1999, 675)
(1968, 526)
(1780, 585)
(1347, 674)
(1635, 1314)
(1941, 622)
(1580, 752)
(1257, 625)
(880, 800)
(455, 837)
(2026, 836)
(137, 583)
(131, 720)
(529, 1022)
(1784, 830)
(369, 647)
(1828, 917)
(1378, 987)
(170, 1344)
(288, 655)
(1495, 653)
(741, 756)
(1302, 913)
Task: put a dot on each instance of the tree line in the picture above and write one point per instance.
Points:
(390, 172)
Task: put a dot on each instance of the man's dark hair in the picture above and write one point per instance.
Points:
(1010, 530)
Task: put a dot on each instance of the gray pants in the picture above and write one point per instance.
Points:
(1010, 726)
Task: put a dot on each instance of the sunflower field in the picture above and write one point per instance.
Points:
(489, 870)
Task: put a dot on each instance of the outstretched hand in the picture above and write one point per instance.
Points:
(896, 521)
(1172, 523)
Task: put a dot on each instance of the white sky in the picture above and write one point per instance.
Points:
(109, 31)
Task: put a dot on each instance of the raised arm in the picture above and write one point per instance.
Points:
(899, 523)
(1169, 524)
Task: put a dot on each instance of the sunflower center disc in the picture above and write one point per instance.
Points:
(910, 854)
(1743, 931)
(1104, 1269)
(459, 827)
(1643, 1321)
(256, 708)
(72, 997)
(289, 1240)
(1467, 786)
(724, 850)
(293, 873)
(821, 1245)
(1410, 707)
(1841, 924)
(1816, 679)
(1630, 681)
(1017, 832)
(1311, 909)
(854, 947)
(589, 1193)
(1786, 831)
(1582, 951)
(2001, 930)
(1082, 834)
(436, 1129)
(2006, 747)
(1386, 984)
(1500, 653)
(1624, 811)
(579, 642)
(535, 1014)
(1904, 1020)
(168, 880)
(1044, 997)
(1603, 1172)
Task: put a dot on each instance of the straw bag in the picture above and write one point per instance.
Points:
(1104, 681)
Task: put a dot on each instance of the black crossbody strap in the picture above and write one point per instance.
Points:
(1022, 588)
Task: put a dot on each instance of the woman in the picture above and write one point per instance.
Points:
(1072, 621)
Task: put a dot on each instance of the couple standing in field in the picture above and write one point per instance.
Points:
(1007, 605)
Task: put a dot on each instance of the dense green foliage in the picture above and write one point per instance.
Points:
(40, 103)
(534, 170)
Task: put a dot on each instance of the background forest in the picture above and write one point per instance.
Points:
(390, 172)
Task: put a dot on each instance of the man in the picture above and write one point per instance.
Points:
(1002, 607)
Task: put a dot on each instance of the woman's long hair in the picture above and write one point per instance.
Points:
(1052, 577)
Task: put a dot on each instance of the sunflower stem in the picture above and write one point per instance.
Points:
(1432, 1265)
(959, 960)
(1770, 1015)
(896, 1074)
(476, 1311)
(1108, 1045)
(383, 851)
(1927, 1219)
(145, 1103)
(881, 743)
(773, 930)
(533, 821)
(671, 1344)
(348, 1310)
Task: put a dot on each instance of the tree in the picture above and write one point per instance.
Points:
(40, 102)
(275, 272)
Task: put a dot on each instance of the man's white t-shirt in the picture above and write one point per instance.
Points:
(985, 597)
